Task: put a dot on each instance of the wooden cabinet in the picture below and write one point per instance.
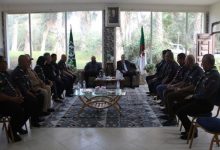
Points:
(203, 46)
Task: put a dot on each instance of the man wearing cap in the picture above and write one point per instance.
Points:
(21, 81)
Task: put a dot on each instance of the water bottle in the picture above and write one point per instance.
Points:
(118, 84)
(78, 85)
(84, 84)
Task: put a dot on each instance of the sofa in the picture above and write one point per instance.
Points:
(110, 71)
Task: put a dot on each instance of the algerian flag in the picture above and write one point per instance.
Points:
(142, 61)
(71, 58)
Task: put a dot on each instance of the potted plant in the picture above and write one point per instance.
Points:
(150, 69)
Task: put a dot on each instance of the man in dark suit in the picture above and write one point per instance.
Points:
(127, 68)
(92, 69)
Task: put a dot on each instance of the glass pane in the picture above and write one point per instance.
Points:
(48, 34)
(129, 34)
(17, 37)
(87, 35)
(169, 30)
(216, 27)
(216, 45)
(195, 26)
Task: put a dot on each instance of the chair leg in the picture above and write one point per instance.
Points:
(192, 136)
(190, 130)
(211, 144)
(217, 139)
(10, 130)
(4, 127)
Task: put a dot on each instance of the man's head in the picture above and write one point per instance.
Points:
(93, 59)
(47, 59)
(163, 54)
(46, 55)
(63, 58)
(190, 61)
(23, 62)
(123, 57)
(181, 59)
(29, 59)
(208, 62)
(41, 61)
(53, 58)
(169, 56)
(3, 66)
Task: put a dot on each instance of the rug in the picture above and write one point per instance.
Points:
(137, 110)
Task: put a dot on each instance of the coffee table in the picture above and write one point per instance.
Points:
(108, 81)
(100, 99)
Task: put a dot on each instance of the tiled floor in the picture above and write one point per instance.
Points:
(105, 139)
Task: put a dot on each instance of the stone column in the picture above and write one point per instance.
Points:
(108, 41)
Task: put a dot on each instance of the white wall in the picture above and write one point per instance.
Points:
(214, 13)
(99, 6)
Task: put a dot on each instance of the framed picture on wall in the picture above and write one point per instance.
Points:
(112, 17)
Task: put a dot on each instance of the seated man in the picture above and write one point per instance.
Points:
(127, 68)
(167, 73)
(39, 69)
(67, 75)
(38, 85)
(21, 81)
(11, 103)
(177, 78)
(175, 93)
(201, 102)
(92, 69)
(52, 73)
(159, 67)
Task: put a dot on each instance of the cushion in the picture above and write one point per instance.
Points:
(210, 124)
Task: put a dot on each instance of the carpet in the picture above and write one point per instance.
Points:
(137, 110)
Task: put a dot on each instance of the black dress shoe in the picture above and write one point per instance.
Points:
(50, 110)
(69, 95)
(58, 100)
(35, 124)
(165, 117)
(60, 97)
(183, 133)
(44, 113)
(185, 136)
(17, 138)
(22, 131)
(170, 122)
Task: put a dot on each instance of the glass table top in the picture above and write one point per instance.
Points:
(99, 92)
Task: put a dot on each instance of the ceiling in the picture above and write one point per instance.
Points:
(159, 2)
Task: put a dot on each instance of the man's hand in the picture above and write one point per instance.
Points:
(170, 87)
(18, 99)
(177, 89)
(188, 97)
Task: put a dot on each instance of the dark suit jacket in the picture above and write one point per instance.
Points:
(130, 66)
(93, 68)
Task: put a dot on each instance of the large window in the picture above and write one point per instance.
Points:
(128, 35)
(168, 33)
(163, 30)
(87, 35)
(17, 37)
(50, 33)
(195, 25)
